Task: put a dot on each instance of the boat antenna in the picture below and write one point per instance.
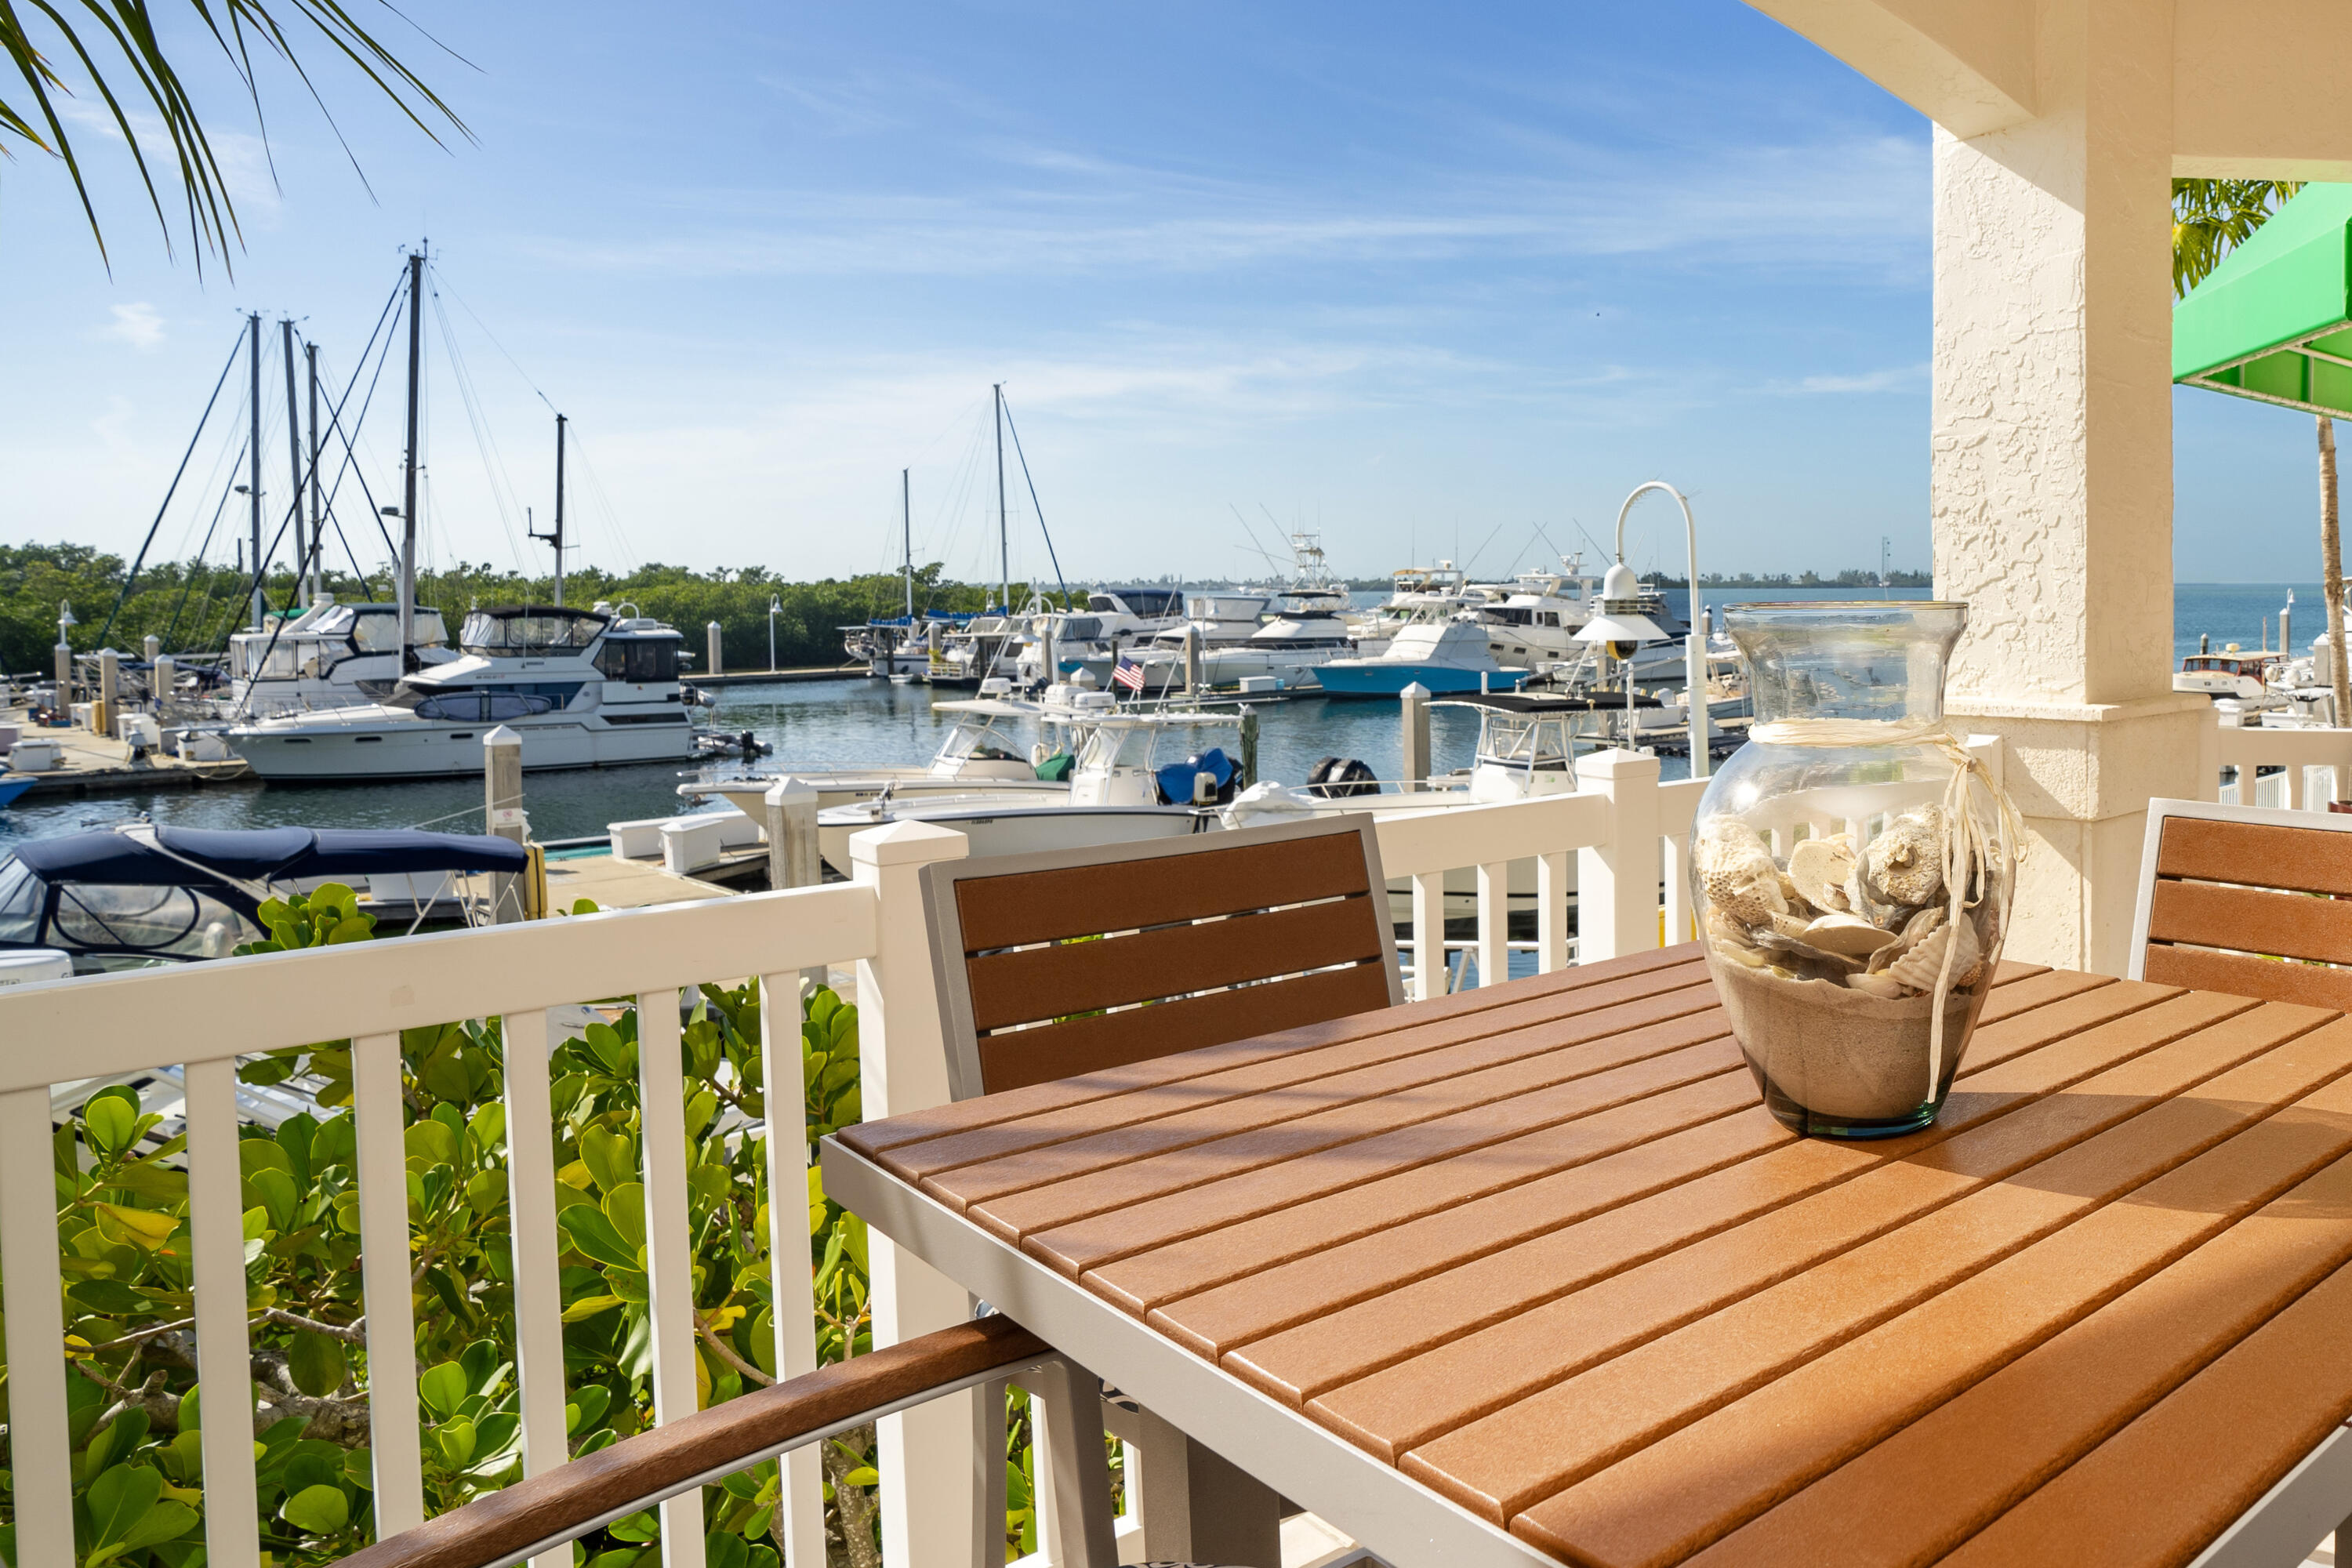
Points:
(1004, 549)
(132, 577)
(907, 536)
(1040, 511)
(407, 590)
(253, 455)
(556, 538)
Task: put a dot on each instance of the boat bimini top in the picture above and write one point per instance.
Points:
(140, 892)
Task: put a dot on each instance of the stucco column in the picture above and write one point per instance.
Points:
(2052, 472)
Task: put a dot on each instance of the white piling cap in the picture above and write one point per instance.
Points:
(502, 736)
(1417, 692)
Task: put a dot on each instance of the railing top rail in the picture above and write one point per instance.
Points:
(1416, 843)
(93, 1026)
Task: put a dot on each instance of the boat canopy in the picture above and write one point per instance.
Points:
(531, 628)
(2274, 321)
(263, 854)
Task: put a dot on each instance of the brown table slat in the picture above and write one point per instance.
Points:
(1541, 1249)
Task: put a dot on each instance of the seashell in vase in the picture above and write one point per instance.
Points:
(1920, 967)
(1905, 865)
(1737, 874)
(1818, 869)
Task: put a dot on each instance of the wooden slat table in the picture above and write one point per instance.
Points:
(1528, 1274)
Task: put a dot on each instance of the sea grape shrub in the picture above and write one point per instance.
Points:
(126, 1243)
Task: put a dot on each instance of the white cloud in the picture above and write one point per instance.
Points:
(138, 325)
(1894, 378)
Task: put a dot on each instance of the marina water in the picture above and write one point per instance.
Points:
(836, 723)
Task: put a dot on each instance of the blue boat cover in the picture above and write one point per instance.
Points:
(264, 853)
(1176, 778)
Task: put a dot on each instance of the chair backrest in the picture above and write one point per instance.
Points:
(2246, 900)
(1074, 961)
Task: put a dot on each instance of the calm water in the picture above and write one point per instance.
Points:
(848, 723)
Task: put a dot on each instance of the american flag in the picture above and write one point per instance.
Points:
(1129, 674)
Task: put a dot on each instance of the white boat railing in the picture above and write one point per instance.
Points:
(1628, 831)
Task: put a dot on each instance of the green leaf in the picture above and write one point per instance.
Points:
(167, 1520)
(274, 1191)
(109, 1295)
(443, 1388)
(588, 1307)
(456, 1441)
(111, 1122)
(592, 1234)
(316, 1361)
(624, 1206)
(119, 1499)
(317, 1511)
(611, 1158)
(430, 1141)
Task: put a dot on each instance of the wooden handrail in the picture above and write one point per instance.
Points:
(573, 1499)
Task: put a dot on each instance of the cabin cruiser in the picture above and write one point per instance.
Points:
(1115, 621)
(330, 656)
(983, 750)
(1217, 618)
(984, 647)
(1123, 788)
(584, 689)
(1534, 619)
(1415, 594)
(1447, 654)
(1305, 633)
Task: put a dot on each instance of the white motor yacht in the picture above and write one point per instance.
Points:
(583, 689)
(1290, 646)
(330, 656)
(1115, 621)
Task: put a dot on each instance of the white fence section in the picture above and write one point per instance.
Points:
(1628, 832)
(2313, 767)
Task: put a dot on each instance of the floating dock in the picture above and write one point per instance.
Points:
(94, 765)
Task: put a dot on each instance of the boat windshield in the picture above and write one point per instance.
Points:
(531, 629)
(1518, 740)
(20, 902)
(1116, 746)
(177, 922)
(378, 631)
(976, 741)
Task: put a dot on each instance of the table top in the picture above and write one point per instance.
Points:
(1540, 1247)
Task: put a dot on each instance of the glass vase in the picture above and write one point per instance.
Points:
(1851, 867)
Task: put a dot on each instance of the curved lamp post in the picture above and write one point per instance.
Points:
(1621, 621)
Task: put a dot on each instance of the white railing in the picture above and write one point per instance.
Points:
(1628, 832)
(2315, 765)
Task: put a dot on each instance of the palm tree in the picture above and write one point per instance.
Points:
(2210, 219)
(113, 46)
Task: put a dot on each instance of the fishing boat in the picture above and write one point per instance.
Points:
(1443, 653)
(584, 689)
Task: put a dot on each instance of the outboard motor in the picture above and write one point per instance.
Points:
(1342, 778)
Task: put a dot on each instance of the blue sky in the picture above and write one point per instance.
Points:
(1433, 280)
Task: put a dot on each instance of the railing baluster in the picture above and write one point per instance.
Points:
(538, 1293)
(36, 1334)
(661, 1072)
(223, 1349)
(1552, 912)
(1680, 926)
(1428, 935)
(793, 1310)
(1494, 922)
(384, 1281)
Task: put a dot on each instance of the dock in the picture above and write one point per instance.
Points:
(95, 764)
(777, 677)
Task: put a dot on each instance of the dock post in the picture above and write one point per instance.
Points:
(1412, 702)
(502, 814)
(65, 676)
(792, 857)
(161, 676)
(710, 633)
(1192, 660)
(110, 678)
(152, 646)
(1249, 747)
(1050, 646)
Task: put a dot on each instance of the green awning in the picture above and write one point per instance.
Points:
(2274, 321)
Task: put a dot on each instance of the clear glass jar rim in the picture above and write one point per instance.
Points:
(1744, 605)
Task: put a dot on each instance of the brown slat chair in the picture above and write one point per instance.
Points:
(1074, 960)
(2246, 900)
(567, 1502)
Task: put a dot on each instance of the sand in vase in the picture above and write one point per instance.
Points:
(1838, 1053)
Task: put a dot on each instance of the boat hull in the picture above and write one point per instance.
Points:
(425, 750)
(1378, 677)
(1007, 827)
(750, 797)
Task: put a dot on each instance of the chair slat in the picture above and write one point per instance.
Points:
(2257, 854)
(224, 1347)
(2252, 919)
(29, 1274)
(2242, 974)
(1030, 983)
(1085, 901)
(1115, 1039)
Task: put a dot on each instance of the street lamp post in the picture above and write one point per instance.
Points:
(65, 657)
(774, 606)
(1618, 622)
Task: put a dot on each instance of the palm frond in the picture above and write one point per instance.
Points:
(2213, 218)
(114, 45)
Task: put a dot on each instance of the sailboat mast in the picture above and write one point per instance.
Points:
(253, 477)
(294, 463)
(907, 538)
(318, 539)
(1003, 548)
(408, 473)
(558, 508)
